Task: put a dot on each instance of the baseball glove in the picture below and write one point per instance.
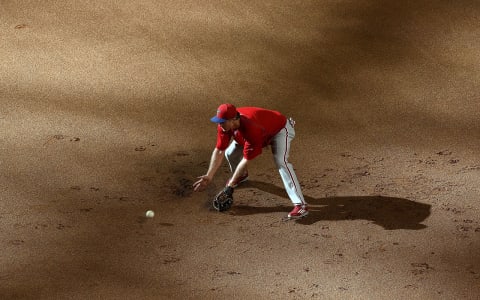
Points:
(224, 200)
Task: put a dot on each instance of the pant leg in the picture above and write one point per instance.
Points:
(234, 154)
(281, 150)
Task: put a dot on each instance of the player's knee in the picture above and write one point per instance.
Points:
(280, 163)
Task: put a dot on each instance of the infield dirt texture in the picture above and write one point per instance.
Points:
(104, 113)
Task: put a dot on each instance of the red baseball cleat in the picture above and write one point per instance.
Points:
(299, 211)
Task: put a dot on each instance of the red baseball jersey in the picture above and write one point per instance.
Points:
(257, 128)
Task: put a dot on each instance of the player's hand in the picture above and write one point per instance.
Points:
(201, 183)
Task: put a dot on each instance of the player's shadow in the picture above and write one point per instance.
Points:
(389, 212)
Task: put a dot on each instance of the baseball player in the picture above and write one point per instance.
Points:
(252, 129)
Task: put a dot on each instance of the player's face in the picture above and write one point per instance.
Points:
(227, 125)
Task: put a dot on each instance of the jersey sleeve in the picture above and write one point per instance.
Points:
(223, 139)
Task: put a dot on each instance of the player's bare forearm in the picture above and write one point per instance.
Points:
(215, 162)
(239, 171)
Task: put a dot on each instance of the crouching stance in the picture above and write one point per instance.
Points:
(242, 133)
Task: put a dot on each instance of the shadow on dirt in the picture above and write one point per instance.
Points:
(389, 212)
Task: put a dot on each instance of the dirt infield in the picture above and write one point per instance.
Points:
(105, 109)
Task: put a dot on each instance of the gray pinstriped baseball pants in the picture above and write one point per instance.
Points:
(280, 149)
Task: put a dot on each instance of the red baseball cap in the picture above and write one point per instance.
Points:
(224, 112)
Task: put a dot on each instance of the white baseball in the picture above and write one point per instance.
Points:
(150, 214)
